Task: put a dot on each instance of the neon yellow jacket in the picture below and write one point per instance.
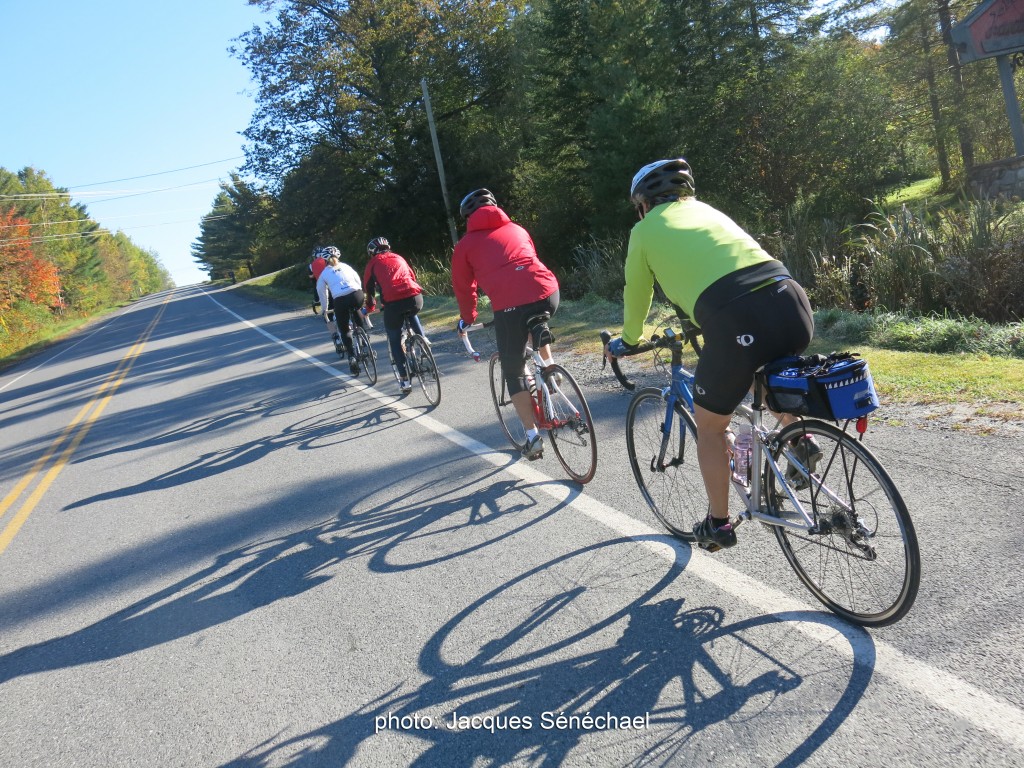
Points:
(686, 246)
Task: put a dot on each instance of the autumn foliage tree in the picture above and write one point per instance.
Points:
(23, 276)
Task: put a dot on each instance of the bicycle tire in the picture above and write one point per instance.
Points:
(864, 564)
(665, 465)
(420, 361)
(507, 416)
(394, 366)
(573, 437)
(365, 355)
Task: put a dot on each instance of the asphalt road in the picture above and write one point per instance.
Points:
(216, 549)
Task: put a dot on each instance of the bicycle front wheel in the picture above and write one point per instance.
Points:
(507, 416)
(421, 361)
(861, 558)
(662, 448)
(365, 355)
(572, 431)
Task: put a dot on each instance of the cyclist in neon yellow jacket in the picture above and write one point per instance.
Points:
(746, 304)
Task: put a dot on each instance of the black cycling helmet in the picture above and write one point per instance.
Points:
(331, 252)
(378, 245)
(661, 180)
(478, 198)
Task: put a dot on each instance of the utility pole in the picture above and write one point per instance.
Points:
(440, 164)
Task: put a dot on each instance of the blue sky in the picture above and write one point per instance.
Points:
(108, 90)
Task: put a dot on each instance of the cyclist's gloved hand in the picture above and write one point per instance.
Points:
(461, 326)
(617, 347)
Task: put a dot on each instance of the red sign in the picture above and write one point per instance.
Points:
(993, 28)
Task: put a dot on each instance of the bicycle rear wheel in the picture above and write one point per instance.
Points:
(665, 463)
(572, 433)
(507, 416)
(365, 355)
(861, 560)
(420, 361)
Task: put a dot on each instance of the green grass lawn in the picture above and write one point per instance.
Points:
(924, 193)
(907, 377)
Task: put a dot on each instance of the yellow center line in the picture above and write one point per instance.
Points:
(99, 400)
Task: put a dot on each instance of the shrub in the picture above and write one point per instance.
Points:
(982, 260)
(596, 269)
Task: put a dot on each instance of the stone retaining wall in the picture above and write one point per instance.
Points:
(1003, 178)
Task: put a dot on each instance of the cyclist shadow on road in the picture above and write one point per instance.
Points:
(236, 583)
(255, 575)
(686, 678)
(323, 430)
(476, 512)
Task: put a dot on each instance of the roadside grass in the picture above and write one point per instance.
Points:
(51, 333)
(906, 377)
(926, 193)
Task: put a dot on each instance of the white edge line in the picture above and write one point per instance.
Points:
(981, 709)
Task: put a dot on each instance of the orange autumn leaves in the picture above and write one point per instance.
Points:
(23, 275)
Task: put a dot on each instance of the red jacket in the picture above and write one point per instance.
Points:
(394, 276)
(498, 256)
(317, 266)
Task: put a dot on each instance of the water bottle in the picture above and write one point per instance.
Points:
(366, 318)
(532, 384)
(741, 448)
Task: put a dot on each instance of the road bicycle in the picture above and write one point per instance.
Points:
(559, 406)
(839, 519)
(419, 362)
(362, 350)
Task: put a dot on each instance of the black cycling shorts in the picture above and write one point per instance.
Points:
(511, 334)
(751, 330)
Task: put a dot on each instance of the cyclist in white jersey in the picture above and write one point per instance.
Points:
(340, 290)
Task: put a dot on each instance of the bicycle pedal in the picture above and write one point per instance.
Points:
(535, 458)
(709, 547)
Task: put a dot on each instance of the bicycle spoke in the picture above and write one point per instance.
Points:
(422, 360)
(861, 557)
(572, 430)
(665, 464)
(510, 423)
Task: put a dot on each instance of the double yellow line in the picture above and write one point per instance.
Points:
(76, 432)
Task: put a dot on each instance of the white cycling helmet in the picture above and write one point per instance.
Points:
(661, 179)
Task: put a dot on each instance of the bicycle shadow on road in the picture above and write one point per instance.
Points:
(259, 574)
(695, 681)
(477, 511)
(325, 428)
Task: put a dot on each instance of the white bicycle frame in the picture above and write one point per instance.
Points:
(751, 495)
(546, 390)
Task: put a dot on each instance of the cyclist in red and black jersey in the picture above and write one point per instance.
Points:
(498, 257)
(401, 295)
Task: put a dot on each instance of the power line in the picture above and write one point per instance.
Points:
(101, 231)
(160, 173)
(78, 221)
(65, 196)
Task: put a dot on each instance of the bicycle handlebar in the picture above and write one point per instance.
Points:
(689, 331)
(465, 338)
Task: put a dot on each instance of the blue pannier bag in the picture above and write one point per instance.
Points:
(834, 387)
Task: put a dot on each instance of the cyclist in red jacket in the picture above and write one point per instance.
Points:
(498, 257)
(317, 264)
(400, 293)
